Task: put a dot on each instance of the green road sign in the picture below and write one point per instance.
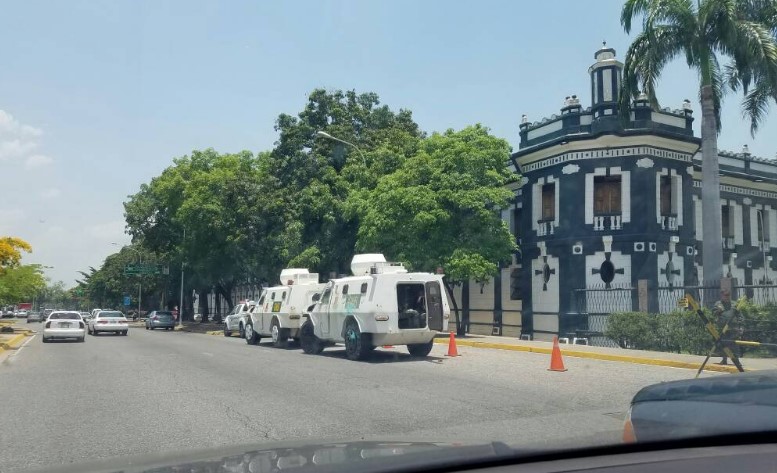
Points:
(141, 269)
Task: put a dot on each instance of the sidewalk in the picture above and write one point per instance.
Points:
(675, 360)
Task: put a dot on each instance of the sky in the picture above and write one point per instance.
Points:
(98, 97)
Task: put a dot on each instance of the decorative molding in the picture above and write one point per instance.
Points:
(652, 246)
(577, 249)
(603, 153)
(747, 201)
(741, 190)
(639, 246)
(645, 163)
(570, 169)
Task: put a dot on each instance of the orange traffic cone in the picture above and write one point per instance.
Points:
(452, 350)
(556, 363)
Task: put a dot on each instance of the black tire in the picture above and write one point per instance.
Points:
(94, 333)
(227, 333)
(147, 327)
(357, 344)
(82, 339)
(252, 338)
(280, 336)
(125, 333)
(420, 349)
(44, 339)
(311, 345)
(241, 330)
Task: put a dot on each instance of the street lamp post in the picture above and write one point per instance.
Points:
(180, 308)
(326, 135)
(140, 279)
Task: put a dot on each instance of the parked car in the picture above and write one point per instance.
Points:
(65, 324)
(235, 320)
(7, 314)
(34, 317)
(22, 314)
(160, 319)
(111, 321)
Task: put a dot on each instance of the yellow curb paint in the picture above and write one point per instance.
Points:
(14, 342)
(593, 355)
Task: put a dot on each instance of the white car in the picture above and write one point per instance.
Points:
(64, 324)
(234, 321)
(111, 321)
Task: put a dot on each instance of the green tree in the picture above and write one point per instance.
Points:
(20, 283)
(440, 208)
(705, 32)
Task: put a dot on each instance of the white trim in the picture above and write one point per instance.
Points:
(698, 218)
(741, 190)
(770, 168)
(734, 163)
(607, 85)
(589, 198)
(544, 130)
(626, 196)
(754, 226)
(677, 194)
(772, 226)
(629, 151)
(739, 222)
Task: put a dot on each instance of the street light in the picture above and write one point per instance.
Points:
(140, 279)
(326, 135)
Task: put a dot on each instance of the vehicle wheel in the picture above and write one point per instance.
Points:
(420, 349)
(44, 339)
(94, 333)
(357, 344)
(227, 333)
(146, 327)
(252, 338)
(280, 336)
(82, 339)
(311, 345)
(241, 331)
(125, 333)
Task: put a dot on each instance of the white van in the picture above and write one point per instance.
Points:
(278, 312)
(381, 304)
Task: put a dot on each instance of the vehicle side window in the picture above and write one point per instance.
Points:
(345, 288)
(283, 296)
(261, 300)
(272, 296)
(363, 289)
(325, 296)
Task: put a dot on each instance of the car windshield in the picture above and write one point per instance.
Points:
(64, 316)
(550, 225)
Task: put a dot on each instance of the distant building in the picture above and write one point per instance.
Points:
(604, 202)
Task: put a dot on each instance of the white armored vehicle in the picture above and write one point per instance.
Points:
(278, 312)
(381, 304)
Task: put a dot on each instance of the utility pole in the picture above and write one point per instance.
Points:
(183, 263)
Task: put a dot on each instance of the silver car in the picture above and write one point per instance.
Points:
(64, 324)
(111, 321)
(34, 317)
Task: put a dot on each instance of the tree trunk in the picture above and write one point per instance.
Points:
(459, 326)
(203, 296)
(712, 246)
(217, 300)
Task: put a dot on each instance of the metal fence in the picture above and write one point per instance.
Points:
(592, 306)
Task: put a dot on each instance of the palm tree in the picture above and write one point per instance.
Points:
(706, 31)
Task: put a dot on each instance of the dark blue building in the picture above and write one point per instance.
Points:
(605, 202)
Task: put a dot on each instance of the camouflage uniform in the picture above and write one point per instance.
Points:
(723, 312)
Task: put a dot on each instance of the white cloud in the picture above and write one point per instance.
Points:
(51, 193)
(37, 160)
(107, 231)
(19, 142)
(11, 126)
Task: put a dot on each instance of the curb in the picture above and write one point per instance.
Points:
(13, 343)
(593, 355)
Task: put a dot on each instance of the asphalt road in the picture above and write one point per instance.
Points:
(170, 391)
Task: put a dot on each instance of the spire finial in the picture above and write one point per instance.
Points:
(604, 43)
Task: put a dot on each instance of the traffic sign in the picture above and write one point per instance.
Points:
(127, 301)
(146, 269)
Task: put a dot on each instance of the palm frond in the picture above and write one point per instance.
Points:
(655, 12)
(645, 59)
(755, 105)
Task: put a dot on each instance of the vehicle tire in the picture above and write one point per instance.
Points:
(357, 344)
(311, 345)
(94, 333)
(420, 349)
(125, 333)
(252, 338)
(82, 339)
(227, 333)
(241, 330)
(280, 336)
(147, 327)
(44, 339)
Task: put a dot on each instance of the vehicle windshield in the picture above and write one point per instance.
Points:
(64, 316)
(550, 225)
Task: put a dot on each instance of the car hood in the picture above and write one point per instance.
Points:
(752, 388)
(303, 456)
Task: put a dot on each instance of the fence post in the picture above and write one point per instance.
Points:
(725, 289)
(642, 294)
